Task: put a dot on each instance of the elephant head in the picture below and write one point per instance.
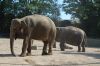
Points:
(58, 31)
(16, 29)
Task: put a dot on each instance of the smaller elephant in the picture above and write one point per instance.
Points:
(71, 35)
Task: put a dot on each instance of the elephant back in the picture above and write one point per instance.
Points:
(41, 26)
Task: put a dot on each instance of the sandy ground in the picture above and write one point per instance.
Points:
(59, 58)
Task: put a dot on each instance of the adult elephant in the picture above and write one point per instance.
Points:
(71, 35)
(36, 27)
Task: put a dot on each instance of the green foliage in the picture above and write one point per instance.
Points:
(88, 11)
(10, 9)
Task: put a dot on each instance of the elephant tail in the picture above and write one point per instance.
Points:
(84, 41)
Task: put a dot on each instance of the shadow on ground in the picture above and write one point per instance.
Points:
(83, 64)
(90, 54)
(6, 55)
(11, 64)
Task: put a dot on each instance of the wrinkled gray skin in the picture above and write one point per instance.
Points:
(36, 27)
(71, 35)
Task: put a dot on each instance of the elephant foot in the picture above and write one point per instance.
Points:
(54, 46)
(83, 50)
(50, 53)
(29, 54)
(62, 49)
(44, 53)
(78, 51)
(22, 55)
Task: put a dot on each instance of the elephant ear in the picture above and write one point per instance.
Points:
(23, 25)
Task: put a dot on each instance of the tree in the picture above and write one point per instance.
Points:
(88, 13)
(10, 9)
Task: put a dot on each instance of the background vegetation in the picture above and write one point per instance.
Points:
(87, 11)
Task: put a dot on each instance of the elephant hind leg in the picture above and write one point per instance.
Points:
(44, 51)
(79, 44)
(54, 45)
(79, 48)
(84, 43)
(29, 48)
(50, 47)
(83, 46)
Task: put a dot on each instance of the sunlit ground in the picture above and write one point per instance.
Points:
(59, 58)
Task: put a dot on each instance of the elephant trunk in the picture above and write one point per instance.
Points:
(12, 42)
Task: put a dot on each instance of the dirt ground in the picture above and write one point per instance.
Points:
(59, 58)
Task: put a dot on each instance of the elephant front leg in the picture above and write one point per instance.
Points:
(29, 48)
(83, 45)
(62, 46)
(44, 52)
(24, 48)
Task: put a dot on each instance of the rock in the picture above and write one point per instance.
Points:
(34, 47)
